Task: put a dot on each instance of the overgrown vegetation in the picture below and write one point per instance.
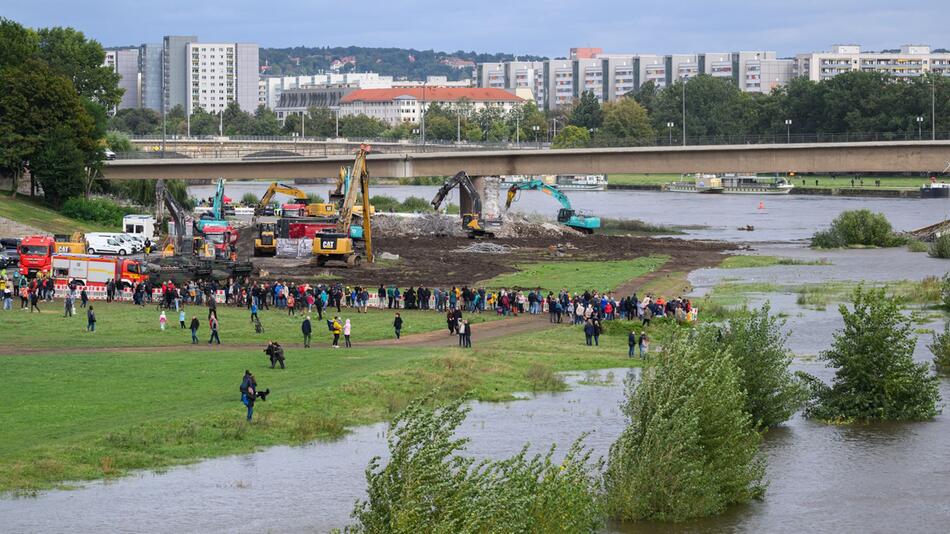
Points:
(745, 261)
(96, 210)
(634, 226)
(858, 228)
(412, 204)
(689, 449)
(876, 377)
(250, 199)
(940, 248)
(428, 486)
(940, 348)
(916, 245)
(757, 344)
(142, 192)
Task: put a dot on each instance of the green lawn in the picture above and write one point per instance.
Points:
(35, 214)
(887, 182)
(126, 325)
(577, 275)
(87, 416)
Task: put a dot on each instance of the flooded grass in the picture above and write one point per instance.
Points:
(611, 226)
(745, 262)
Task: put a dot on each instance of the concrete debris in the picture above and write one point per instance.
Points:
(387, 256)
(487, 247)
(932, 232)
(294, 248)
(512, 226)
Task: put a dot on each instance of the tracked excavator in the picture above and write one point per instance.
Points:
(338, 245)
(567, 215)
(472, 221)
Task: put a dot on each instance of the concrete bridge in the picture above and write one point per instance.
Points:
(238, 148)
(903, 156)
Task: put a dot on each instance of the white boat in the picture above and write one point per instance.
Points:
(581, 182)
(754, 185)
(701, 183)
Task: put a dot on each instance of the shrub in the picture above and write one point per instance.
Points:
(95, 210)
(689, 449)
(427, 486)
(940, 248)
(945, 290)
(858, 227)
(415, 205)
(876, 377)
(314, 198)
(916, 245)
(757, 344)
(384, 203)
(250, 199)
(940, 348)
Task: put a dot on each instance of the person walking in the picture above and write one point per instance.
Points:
(337, 328)
(631, 344)
(306, 328)
(35, 301)
(181, 318)
(194, 329)
(450, 321)
(347, 328)
(598, 328)
(468, 335)
(213, 323)
(276, 354)
(90, 320)
(249, 393)
(397, 325)
(162, 320)
(291, 304)
(254, 312)
(83, 298)
(588, 332)
(67, 305)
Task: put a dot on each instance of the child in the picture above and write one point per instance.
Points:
(253, 311)
(181, 318)
(162, 320)
(346, 334)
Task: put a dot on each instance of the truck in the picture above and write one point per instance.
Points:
(36, 253)
(94, 271)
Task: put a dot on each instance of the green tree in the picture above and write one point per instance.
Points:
(136, 121)
(940, 348)
(361, 126)
(236, 120)
(440, 127)
(265, 122)
(646, 95)
(58, 166)
(321, 122)
(586, 112)
(119, 142)
(204, 122)
(876, 376)
(403, 131)
(17, 44)
(689, 449)
(498, 131)
(628, 120)
(715, 107)
(572, 137)
(757, 344)
(291, 124)
(68, 52)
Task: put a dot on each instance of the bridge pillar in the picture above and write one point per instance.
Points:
(487, 188)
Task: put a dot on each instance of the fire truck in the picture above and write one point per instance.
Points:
(92, 271)
(36, 254)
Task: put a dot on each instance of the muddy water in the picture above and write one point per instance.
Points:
(784, 218)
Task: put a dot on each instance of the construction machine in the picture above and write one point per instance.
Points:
(338, 244)
(566, 215)
(216, 216)
(266, 242)
(315, 209)
(471, 221)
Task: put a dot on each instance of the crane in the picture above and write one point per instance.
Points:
(338, 245)
(566, 215)
(470, 221)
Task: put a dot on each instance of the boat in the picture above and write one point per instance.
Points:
(935, 189)
(581, 182)
(755, 185)
(702, 183)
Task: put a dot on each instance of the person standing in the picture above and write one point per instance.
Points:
(468, 335)
(68, 305)
(397, 325)
(306, 327)
(336, 328)
(347, 328)
(181, 318)
(597, 330)
(249, 393)
(35, 301)
(162, 320)
(631, 344)
(213, 323)
(194, 329)
(254, 311)
(90, 320)
(276, 354)
(588, 332)
(644, 345)
(461, 333)
(291, 304)
(450, 321)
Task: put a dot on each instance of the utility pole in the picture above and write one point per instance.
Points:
(423, 113)
(684, 112)
(518, 130)
(164, 104)
(303, 118)
(933, 107)
(221, 123)
(458, 126)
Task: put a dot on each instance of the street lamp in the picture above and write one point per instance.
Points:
(920, 122)
(788, 130)
(684, 112)
(537, 130)
(517, 130)
(669, 127)
(554, 130)
(337, 123)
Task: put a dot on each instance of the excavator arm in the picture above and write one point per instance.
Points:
(471, 221)
(358, 173)
(184, 222)
(275, 188)
(566, 215)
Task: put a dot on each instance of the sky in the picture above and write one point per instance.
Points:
(539, 27)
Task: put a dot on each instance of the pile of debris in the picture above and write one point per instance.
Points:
(518, 226)
(487, 247)
(432, 224)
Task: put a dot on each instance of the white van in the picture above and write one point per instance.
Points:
(139, 225)
(131, 244)
(106, 244)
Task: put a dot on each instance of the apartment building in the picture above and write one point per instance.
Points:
(910, 61)
(125, 62)
(221, 73)
(150, 76)
(175, 69)
(398, 105)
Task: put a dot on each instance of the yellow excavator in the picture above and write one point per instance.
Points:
(266, 242)
(338, 245)
(315, 209)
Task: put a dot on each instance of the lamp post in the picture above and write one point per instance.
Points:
(933, 107)
(537, 131)
(669, 127)
(554, 130)
(788, 130)
(684, 112)
(518, 131)
(458, 126)
(920, 122)
(423, 121)
(303, 119)
(294, 135)
(337, 123)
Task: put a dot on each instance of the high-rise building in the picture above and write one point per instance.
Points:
(125, 62)
(176, 67)
(910, 61)
(221, 73)
(150, 75)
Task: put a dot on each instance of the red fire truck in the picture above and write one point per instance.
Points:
(36, 254)
(93, 271)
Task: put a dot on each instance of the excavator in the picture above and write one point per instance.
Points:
(472, 222)
(216, 216)
(566, 215)
(316, 209)
(338, 245)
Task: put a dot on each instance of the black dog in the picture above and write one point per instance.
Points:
(263, 394)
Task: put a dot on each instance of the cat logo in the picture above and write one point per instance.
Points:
(328, 244)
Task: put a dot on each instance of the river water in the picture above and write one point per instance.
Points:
(860, 478)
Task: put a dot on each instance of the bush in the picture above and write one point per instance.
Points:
(384, 203)
(916, 245)
(95, 210)
(689, 449)
(940, 348)
(250, 199)
(945, 290)
(315, 198)
(876, 376)
(757, 344)
(940, 248)
(858, 227)
(415, 205)
(428, 487)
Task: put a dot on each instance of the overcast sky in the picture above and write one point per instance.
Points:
(542, 27)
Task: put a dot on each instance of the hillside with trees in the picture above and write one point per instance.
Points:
(399, 63)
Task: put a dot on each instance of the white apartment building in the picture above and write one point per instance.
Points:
(911, 61)
(221, 73)
(397, 105)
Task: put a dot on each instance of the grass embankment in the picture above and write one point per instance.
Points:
(33, 213)
(610, 226)
(81, 416)
(577, 275)
(744, 262)
(824, 182)
(125, 325)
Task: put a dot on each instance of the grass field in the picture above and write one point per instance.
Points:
(33, 213)
(126, 325)
(745, 261)
(887, 182)
(80, 416)
(577, 275)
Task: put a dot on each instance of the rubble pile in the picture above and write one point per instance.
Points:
(487, 247)
(515, 226)
(395, 225)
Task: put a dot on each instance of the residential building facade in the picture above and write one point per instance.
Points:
(221, 73)
(397, 105)
(909, 61)
(175, 70)
(125, 62)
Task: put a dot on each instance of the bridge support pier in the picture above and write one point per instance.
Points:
(487, 188)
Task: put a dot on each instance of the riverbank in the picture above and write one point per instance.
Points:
(800, 190)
